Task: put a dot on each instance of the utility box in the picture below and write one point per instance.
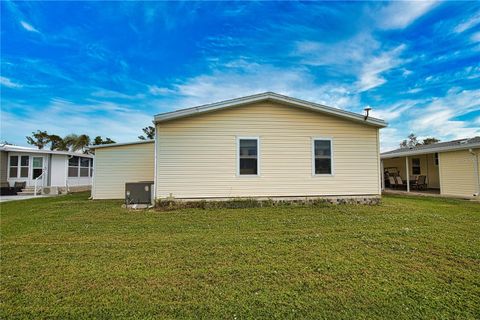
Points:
(138, 192)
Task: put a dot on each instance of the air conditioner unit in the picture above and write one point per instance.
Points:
(139, 192)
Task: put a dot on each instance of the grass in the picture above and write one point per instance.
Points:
(408, 258)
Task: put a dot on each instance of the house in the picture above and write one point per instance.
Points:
(119, 163)
(263, 146)
(50, 171)
(451, 168)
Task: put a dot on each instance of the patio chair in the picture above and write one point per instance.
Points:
(391, 181)
(18, 186)
(6, 190)
(400, 183)
(420, 183)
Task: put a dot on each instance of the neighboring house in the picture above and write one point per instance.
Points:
(451, 167)
(266, 146)
(45, 168)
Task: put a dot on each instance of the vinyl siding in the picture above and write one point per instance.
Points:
(115, 166)
(197, 156)
(3, 166)
(457, 173)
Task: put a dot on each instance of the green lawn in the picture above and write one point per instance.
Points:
(409, 258)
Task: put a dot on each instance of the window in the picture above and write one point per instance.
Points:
(248, 156)
(322, 156)
(13, 172)
(80, 167)
(436, 158)
(416, 166)
(24, 166)
(18, 167)
(84, 167)
(37, 166)
(73, 166)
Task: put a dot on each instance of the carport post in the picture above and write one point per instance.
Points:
(408, 174)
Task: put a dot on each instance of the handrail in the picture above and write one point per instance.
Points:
(35, 183)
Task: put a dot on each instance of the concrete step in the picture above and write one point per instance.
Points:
(26, 193)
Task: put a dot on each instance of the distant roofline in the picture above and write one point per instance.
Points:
(167, 116)
(12, 148)
(112, 145)
(432, 148)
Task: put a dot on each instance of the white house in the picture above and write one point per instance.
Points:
(50, 171)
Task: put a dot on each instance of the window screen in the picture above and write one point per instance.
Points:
(416, 166)
(248, 157)
(323, 156)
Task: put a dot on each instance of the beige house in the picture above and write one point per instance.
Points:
(450, 168)
(119, 163)
(265, 146)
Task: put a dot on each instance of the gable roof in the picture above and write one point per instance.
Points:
(12, 148)
(459, 144)
(273, 97)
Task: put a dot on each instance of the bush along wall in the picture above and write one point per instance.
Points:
(170, 203)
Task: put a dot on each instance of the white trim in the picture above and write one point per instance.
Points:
(237, 158)
(407, 173)
(167, 116)
(22, 150)
(155, 163)
(19, 165)
(402, 153)
(92, 192)
(112, 145)
(332, 167)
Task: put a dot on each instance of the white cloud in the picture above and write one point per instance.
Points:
(122, 123)
(440, 118)
(4, 81)
(400, 14)
(28, 27)
(240, 78)
(475, 37)
(370, 76)
(157, 91)
(467, 24)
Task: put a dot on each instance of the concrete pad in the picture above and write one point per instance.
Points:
(14, 198)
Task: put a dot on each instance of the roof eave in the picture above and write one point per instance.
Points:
(427, 151)
(112, 145)
(273, 97)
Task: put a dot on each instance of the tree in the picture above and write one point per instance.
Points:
(412, 141)
(77, 142)
(38, 139)
(57, 143)
(149, 133)
(98, 141)
(430, 141)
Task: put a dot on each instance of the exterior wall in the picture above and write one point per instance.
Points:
(3, 166)
(58, 171)
(114, 166)
(427, 168)
(197, 156)
(457, 173)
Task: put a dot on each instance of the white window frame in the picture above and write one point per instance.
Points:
(79, 167)
(332, 173)
(19, 166)
(237, 158)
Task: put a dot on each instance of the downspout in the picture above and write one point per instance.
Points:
(475, 170)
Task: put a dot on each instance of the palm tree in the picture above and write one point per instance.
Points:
(77, 142)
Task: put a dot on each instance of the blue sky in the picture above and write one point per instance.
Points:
(106, 68)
